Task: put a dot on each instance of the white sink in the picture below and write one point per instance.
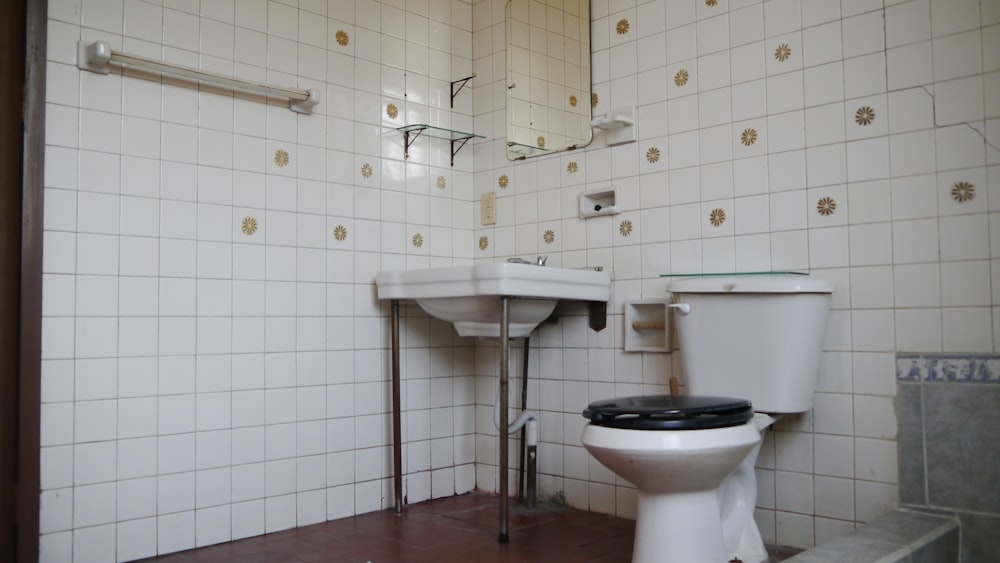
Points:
(468, 296)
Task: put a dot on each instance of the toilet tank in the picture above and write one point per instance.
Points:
(754, 337)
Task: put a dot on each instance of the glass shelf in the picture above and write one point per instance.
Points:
(730, 274)
(517, 151)
(411, 132)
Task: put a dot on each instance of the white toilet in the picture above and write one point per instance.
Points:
(748, 344)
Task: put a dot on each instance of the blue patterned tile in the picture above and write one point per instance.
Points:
(908, 368)
(963, 368)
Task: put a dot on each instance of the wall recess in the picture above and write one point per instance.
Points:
(648, 325)
(600, 202)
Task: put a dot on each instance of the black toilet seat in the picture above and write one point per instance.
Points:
(669, 412)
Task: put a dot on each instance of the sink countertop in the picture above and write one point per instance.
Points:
(495, 278)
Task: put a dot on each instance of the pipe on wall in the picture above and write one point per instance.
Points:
(504, 536)
(397, 425)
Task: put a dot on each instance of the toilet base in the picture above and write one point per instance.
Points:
(678, 527)
(737, 500)
(696, 490)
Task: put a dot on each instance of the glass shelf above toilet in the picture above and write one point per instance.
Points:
(734, 274)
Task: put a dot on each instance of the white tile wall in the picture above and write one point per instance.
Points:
(201, 384)
(881, 109)
(206, 381)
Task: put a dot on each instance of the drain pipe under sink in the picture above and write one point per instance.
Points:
(527, 422)
(531, 446)
(521, 493)
(520, 421)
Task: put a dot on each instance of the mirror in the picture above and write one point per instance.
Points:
(548, 76)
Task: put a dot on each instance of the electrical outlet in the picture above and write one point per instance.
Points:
(488, 209)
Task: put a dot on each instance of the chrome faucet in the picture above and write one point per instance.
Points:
(540, 261)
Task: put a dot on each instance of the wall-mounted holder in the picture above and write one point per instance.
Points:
(619, 125)
(648, 325)
(600, 202)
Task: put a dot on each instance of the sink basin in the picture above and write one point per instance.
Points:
(468, 296)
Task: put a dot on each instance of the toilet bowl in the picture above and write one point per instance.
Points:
(747, 343)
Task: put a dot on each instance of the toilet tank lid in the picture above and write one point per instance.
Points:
(751, 284)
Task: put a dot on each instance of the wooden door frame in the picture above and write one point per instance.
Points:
(22, 148)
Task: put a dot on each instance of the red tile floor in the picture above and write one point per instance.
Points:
(455, 529)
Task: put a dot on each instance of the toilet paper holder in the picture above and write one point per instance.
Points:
(648, 325)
